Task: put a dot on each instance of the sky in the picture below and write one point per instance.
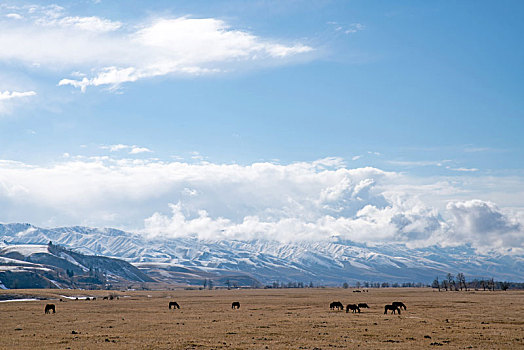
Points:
(370, 120)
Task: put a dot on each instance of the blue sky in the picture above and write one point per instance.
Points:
(427, 90)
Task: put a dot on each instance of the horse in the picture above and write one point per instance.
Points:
(105, 298)
(353, 307)
(49, 308)
(363, 306)
(173, 304)
(393, 308)
(399, 304)
(87, 299)
(336, 305)
(235, 305)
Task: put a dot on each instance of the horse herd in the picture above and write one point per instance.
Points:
(393, 307)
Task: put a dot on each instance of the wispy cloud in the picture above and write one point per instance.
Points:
(419, 163)
(8, 95)
(347, 29)
(463, 169)
(110, 53)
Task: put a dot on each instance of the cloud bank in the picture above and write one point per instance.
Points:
(300, 201)
(97, 51)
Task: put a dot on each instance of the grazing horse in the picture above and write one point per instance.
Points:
(363, 306)
(105, 298)
(353, 307)
(235, 305)
(393, 308)
(49, 308)
(399, 304)
(336, 305)
(173, 304)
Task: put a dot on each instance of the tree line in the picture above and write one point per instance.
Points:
(459, 283)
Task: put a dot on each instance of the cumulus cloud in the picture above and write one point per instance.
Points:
(110, 53)
(300, 201)
(483, 223)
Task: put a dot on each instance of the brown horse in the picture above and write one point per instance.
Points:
(393, 309)
(49, 308)
(173, 304)
(353, 307)
(399, 304)
(363, 306)
(336, 305)
(235, 305)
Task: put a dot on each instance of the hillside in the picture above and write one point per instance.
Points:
(52, 266)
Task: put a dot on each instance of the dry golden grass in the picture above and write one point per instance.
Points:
(267, 319)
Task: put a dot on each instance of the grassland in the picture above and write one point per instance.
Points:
(267, 319)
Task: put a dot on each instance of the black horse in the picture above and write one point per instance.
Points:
(363, 306)
(353, 307)
(336, 305)
(235, 305)
(393, 309)
(399, 304)
(174, 305)
(49, 308)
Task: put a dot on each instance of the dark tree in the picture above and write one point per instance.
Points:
(461, 280)
(436, 284)
(504, 286)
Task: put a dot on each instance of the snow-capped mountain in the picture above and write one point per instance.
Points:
(53, 266)
(331, 262)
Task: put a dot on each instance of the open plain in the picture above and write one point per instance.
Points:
(267, 319)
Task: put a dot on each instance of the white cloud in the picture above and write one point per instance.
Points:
(8, 95)
(7, 98)
(134, 149)
(304, 200)
(13, 16)
(137, 150)
(91, 24)
(463, 169)
(110, 53)
(485, 224)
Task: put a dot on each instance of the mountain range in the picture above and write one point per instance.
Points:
(189, 260)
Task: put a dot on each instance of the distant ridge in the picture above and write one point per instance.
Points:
(189, 260)
(53, 266)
